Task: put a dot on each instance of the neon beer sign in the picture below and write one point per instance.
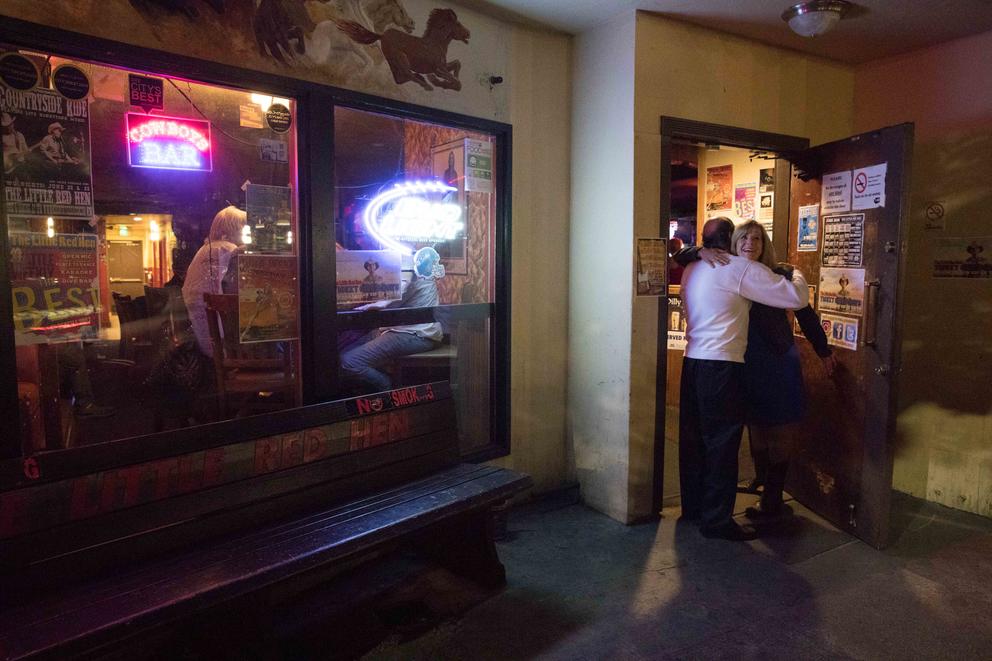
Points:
(414, 212)
(168, 143)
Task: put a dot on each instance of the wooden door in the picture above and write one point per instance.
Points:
(843, 467)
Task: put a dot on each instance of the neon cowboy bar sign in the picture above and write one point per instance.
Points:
(414, 212)
(168, 143)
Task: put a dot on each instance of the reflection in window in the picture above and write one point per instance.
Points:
(415, 203)
(153, 266)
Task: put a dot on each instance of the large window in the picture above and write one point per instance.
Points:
(415, 234)
(153, 265)
(192, 264)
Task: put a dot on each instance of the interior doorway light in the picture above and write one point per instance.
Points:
(816, 17)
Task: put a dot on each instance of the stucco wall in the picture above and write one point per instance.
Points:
(693, 73)
(600, 262)
(943, 448)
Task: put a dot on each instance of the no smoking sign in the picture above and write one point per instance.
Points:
(861, 182)
(934, 216)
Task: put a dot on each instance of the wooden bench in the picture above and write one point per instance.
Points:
(444, 515)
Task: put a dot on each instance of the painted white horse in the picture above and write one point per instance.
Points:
(326, 45)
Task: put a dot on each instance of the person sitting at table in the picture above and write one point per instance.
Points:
(208, 272)
(362, 357)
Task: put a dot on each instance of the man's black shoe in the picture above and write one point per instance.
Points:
(730, 531)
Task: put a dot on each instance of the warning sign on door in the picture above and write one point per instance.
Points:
(836, 194)
(869, 187)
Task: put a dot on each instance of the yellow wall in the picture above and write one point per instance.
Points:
(692, 73)
(534, 98)
(943, 446)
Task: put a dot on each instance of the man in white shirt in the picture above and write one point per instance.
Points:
(717, 304)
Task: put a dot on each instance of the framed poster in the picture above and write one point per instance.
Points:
(448, 165)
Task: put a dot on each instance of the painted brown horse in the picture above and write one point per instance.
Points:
(420, 59)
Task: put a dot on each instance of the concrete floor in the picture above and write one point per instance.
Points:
(582, 586)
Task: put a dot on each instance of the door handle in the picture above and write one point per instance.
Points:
(872, 288)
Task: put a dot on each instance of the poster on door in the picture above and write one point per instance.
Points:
(268, 304)
(720, 188)
(869, 187)
(842, 290)
(843, 239)
(835, 194)
(840, 331)
(54, 287)
(809, 228)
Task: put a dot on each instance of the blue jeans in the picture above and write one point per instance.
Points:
(360, 360)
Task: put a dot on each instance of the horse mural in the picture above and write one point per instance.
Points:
(417, 59)
(327, 46)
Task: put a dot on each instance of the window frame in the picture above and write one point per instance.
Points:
(318, 310)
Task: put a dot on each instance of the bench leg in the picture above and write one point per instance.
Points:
(466, 546)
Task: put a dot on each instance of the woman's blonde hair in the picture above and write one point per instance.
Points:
(227, 225)
(768, 257)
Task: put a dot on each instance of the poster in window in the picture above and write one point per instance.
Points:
(448, 165)
(46, 154)
(842, 290)
(720, 188)
(367, 276)
(54, 287)
(268, 307)
(652, 256)
(270, 217)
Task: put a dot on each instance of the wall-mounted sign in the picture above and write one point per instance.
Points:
(279, 118)
(962, 257)
(18, 72)
(652, 266)
(146, 93)
(934, 216)
(414, 212)
(71, 82)
(676, 323)
(168, 143)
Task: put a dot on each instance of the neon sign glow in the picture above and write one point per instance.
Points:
(405, 212)
(169, 143)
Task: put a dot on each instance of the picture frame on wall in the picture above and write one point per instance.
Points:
(448, 165)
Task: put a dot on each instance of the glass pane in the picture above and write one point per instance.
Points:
(415, 205)
(124, 209)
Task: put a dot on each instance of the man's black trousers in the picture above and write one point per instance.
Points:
(711, 421)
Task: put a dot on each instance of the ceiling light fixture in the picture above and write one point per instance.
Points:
(816, 17)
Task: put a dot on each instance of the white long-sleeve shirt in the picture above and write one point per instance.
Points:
(718, 302)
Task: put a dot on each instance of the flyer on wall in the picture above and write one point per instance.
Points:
(268, 307)
(744, 195)
(809, 228)
(842, 290)
(720, 188)
(835, 194)
(46, 154)
(652, 265)
(54, 287)
(964, 257)
(766, 212)
(840, 331)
